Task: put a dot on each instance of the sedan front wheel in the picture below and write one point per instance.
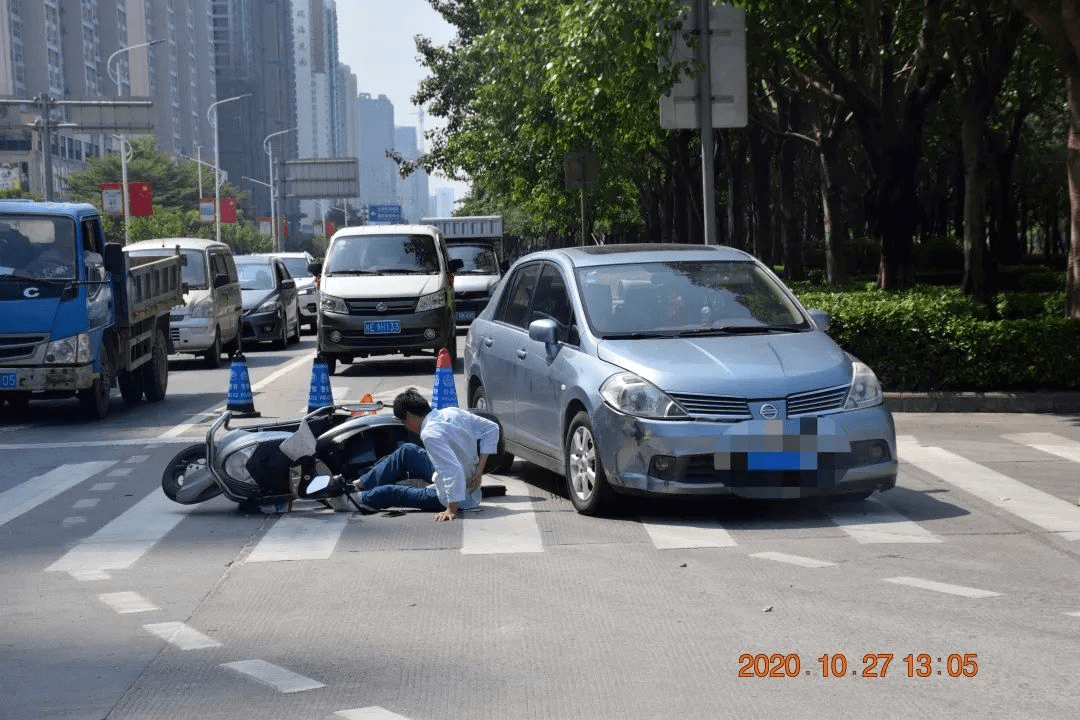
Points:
(586, 482)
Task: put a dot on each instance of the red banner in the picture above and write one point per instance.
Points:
(141, 199)
(228, 210)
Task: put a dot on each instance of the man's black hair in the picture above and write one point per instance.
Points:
(411, 402)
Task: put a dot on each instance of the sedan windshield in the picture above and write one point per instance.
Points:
(255, 276)
(683, 299)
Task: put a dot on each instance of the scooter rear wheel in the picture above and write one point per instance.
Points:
(189, 465)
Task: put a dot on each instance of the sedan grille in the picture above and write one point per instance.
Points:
(817, 401)
(712, 405)
(394, 306)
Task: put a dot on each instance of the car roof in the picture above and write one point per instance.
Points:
(355, 230)
(633, 253)
(254, 258)
(184, 243)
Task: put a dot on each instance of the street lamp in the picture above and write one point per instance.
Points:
(123, 138)
(273, 212)
(212, 119)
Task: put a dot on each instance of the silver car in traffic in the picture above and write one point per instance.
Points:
(675, 370)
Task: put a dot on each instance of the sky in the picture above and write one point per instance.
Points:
(375, 39)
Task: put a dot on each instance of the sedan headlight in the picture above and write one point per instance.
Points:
(69, 350)
(432, 301)
(865, 390)
(203, 309)
(309, 290)
(270, 306)
(630, 394)
(329, 303)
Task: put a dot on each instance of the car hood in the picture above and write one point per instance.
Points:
(251, 299)
(750, 366)
(377, 286)
(474, 283)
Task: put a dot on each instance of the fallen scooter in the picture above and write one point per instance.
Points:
(269, 466)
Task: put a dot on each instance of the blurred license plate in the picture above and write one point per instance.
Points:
(781, 461)
(381, 327)
(463, 315)
(9, 380)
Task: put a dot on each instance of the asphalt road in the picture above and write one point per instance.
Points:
(953, 595)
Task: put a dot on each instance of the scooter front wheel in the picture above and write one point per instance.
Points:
(186, 469)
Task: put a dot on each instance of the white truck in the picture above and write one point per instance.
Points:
(476, 240)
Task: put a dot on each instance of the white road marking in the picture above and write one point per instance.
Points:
(942, 587)
(871, 522)
(1038, 508)
(87, 503)
(102, 487)
(1049, 443)
(680, 533)
(124, 540)
(300, 535)
(95, 443)
(73, 520)
(137, 459)
(504, 524)
(369, 713)
(279, 678)
(1074, 614)
(127, 602)
(119, 472)
(28, 495)
(182, 636)
(793, 559)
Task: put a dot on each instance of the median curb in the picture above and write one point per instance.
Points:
(994, 402)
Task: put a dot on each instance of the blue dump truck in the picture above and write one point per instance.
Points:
(76, 313)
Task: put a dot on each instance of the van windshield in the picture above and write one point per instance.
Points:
(383, 255)
(477, 259)
(194, 269)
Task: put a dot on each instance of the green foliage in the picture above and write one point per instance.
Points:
(931, 338)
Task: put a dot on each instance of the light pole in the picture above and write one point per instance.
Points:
(273, 212)
(211, 117)
(123, 138)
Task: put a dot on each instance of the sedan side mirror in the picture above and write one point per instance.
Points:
(315, 268)
(543, 330)
(820, 318)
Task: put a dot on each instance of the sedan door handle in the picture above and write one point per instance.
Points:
(521, 353)
(488, 341)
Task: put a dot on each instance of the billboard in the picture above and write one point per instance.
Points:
(322, 178)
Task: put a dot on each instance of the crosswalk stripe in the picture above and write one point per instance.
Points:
(124, 540)
(1048, 443)
(127, 602)
(942, 587)
(1035, 506)
(681, 533)
(180, 635)
(369, 713)
(793, 559)
(28, 495)
(301, 535)
(277, 677)
(872, 522)
(503, 525)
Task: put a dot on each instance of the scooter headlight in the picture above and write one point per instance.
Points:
(236, 465)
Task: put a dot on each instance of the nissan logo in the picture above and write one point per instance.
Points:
(381, 307)
(768, 411)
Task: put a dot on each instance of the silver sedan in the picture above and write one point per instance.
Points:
(677, 370)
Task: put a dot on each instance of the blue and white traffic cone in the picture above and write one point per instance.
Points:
(241, 403)
(444, 393)
(320, 394)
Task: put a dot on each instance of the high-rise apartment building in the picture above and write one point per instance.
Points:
(378, 173)
(413, 189)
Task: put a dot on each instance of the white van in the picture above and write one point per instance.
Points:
(477, 279)
(209, 321)
(385, 289)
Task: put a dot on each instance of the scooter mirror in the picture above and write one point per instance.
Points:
(317, 487)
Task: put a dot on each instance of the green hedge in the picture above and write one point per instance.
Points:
(932, 338)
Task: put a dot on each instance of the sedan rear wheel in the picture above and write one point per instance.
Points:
(586, 482)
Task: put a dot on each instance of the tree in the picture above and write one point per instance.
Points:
(1058, 21)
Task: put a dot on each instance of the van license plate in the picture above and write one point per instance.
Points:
(382, 327)
(9, 380)
(465, 315)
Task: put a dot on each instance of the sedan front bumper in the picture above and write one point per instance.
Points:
(842, 453)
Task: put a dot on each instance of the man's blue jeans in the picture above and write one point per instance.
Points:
(409, 460)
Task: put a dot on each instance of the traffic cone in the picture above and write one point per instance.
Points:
(444, 393)
(320, 394)
(241, 403)
(366, 400)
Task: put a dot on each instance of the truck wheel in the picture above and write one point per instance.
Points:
(213, 355)
(95, 399)
(155, 374)
(131, 388)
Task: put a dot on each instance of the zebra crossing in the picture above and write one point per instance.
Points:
(509, 524)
